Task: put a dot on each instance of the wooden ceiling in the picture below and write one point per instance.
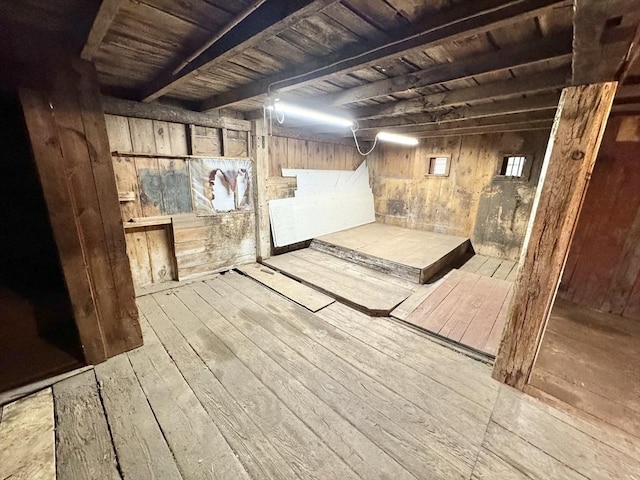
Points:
(419, 66)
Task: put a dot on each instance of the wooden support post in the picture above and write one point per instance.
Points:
(259, 149)
(571, 154)
(68, 135)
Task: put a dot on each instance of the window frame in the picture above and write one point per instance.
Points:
(526, 169)
(433, 156)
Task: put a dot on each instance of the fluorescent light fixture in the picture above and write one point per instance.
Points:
(296, 111)
(395, 138)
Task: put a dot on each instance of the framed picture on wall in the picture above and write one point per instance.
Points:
(221, 185)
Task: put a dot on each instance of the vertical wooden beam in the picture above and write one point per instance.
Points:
(68, 134)
(571, 154)
(224, 139)
(259, 152)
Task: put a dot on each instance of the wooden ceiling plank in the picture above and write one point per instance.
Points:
(522, 54)
(464, 20)
(547, 101)
(546, 81)
(595, 58)
(106, 13)
(261, 24)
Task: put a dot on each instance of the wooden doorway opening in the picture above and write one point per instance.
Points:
(38, 335)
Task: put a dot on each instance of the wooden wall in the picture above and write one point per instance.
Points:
(603, 268)
(316, 153)
(68, 137)
(471, 201)
(167, 241)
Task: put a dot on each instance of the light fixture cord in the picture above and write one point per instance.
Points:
(355, 138)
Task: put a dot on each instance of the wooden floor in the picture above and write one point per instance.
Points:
(236, 381)
(414, 255)
(491, 267)
(365, 289)
(467, 308)
(591, 360)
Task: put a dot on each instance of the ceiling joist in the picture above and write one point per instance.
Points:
(106, 13)
(465, 20)
(547, 101)
(262, 23)
(540, 82)
(551, 48)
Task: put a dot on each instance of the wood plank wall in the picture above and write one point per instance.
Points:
(471, 201)
(159, 188)
(69, 142)
(287, 152)
(603, 268)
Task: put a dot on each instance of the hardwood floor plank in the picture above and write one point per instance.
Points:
(308, 455)
(436, 319)
(253, 447)
(198, 447)
(429, 361)
(27, 438)
(486, 317)
(525, 457)
(491, 467)
(293, 290)
(436, 298)
(241, 335)
(513, 274)
(504, 269)
(360, 293)
(421, 390)
(470, 303)
(421, 293)
(83, 442)
(489, 267)
(403, 431)
(474, 263)
(582, 452)
(493, 340)
(141, 448)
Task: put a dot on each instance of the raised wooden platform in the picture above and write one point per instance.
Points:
(467, 308)
(362, 288)
(414, 255)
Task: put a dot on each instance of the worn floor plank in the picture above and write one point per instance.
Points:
(379, 413)
(200, 450)
(253, 447)
(308, 455)
(83, 442)
(367, 294)
(296, 291)
(27, 439)
(140, 446)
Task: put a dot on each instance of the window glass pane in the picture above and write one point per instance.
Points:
(513, 166)
(439, 165)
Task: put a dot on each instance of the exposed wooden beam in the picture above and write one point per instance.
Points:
(164, 113)
(502, 120)
(540, 82)
(604, 32)
(553, 47)
(571, 154)
(502, 128)
(464, 20)
(106, 13)
(262, 23)
(519, 105)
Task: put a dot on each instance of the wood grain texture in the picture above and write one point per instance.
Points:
(83, 442)
(139, 443)
(101, 24)
(299, 293)
(577, 133)
(603, 266)
(27, 438)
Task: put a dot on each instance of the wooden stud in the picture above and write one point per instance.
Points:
(260, 149)
(571, 154)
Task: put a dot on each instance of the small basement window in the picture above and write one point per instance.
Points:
(439, 165)
(513, 166)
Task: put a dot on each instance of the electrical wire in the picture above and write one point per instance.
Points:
(355, 139)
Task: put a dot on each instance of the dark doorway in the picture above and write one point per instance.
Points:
(38, 336)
